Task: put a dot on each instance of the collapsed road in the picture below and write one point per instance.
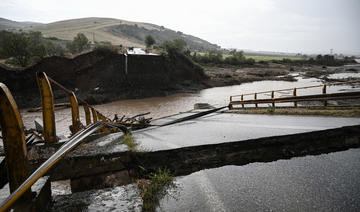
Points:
(105, 162)
(177, 143)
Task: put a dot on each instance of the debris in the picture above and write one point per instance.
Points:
(203, 106)
(135, 122)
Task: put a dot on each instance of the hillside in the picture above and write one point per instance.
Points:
(6, 24)
(118, 32)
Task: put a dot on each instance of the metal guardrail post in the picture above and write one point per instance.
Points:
(94, 113)
(324, 92)
(87, 114)
(272, 97)
(47, 100)
(76, 124)
(14, 140)
(255, 97)
(230, 105)
(294, 94)
(242, 99)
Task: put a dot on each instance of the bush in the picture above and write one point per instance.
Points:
(79, 44)
(16, 46)
(175, 45)
(105, 50)
(216, 57)
(54, 49)
(26, 48)
(149, 41)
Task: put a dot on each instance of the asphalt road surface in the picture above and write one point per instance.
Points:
(328, 182)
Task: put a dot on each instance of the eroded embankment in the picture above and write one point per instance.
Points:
(102, 76)
(97, 169)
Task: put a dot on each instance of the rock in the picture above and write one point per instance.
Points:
(203, 106)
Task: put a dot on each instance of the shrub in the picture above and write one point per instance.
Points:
(149, 41)
(105, 50)
(79, 44)
(129, 141)
(156, 189)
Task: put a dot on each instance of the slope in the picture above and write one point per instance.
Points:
(118, 32)
(6, 24)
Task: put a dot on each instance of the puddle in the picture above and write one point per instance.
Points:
(327, 182)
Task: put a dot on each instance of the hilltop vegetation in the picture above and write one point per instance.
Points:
(238, 58)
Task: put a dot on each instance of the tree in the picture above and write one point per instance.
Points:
(149, 41)
(236, 58)
(79, 44)
(4, 39)
(16, 47)
(26, 48)
(177, 45)
(36, 45)
(54, 49)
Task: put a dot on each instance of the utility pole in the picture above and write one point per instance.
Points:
(331, 51)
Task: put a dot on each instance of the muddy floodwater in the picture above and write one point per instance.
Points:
(168, 105)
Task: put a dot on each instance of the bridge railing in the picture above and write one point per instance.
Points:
(47, 99)
(324, 97)
(13, 138)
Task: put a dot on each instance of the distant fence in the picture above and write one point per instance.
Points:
(323, 97)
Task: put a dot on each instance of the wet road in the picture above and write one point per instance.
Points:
(328, 182)
(226, 127)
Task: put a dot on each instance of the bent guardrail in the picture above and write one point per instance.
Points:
(13, 137)
(47, 99)
(74, 141)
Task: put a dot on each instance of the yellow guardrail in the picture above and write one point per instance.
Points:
(47, 98)
(74, 141)
(13, 135)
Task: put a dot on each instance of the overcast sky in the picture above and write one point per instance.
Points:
(304, 26)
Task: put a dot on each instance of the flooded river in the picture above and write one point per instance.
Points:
(168, 105)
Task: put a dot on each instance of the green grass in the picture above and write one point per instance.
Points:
(154, 189)
(129, 141)
(258, 58)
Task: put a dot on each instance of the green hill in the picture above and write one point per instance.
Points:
(118, 32)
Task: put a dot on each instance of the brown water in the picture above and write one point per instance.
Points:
(173, 104)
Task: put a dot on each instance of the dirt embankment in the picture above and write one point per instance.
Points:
(102, 76)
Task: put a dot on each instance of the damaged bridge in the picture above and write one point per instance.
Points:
(95, 156)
